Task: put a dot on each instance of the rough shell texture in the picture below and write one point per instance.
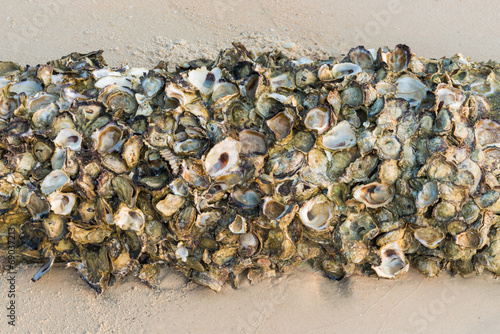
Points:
(252, 163)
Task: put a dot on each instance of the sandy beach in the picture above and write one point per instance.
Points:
(143, 33)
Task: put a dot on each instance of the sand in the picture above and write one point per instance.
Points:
(143, 33)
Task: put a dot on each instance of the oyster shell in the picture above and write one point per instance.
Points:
(393, 261)
(374, 195)
(129, 219)
(340, 137)
(223, 157)
(316, 213)
(318, 119)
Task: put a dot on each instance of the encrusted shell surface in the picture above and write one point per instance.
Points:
(252, 163)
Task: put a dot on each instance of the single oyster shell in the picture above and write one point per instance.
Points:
(129, 219)
(248, 244)
(316, 213)
(340, 137)
(170, 204)
(55, 227)
(7, 107)
(305, 75)
(28, 87)
(353, 96)
(281, 80)
(487, 132)
(207, 219)
(252, 142)
(444, 212)
(52, 182)
(69, 138)
(430, 237)
(245, 198)
(108, 139)
(131, 151)
(239, 225)
(151, 84)
(359, 227)
(338, 71)
(223, 92)
(469, 239)
(223, 157)
(388, 147)
(118, 98)
(283, 164)
(62, 203)
(42, 150)
(398, 59)
(362, 57)
(281, 125)
(389, 172)
(449, 97)
(410, 89)
(273, 209)
(394, 263)
(40, 101)
(374, 195)
(429, 266)
(428, 196)
(203, 79)
(37, 205)
(318, 119)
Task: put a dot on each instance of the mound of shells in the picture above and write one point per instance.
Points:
(251, 165)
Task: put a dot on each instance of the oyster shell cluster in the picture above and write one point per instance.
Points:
(369, 163)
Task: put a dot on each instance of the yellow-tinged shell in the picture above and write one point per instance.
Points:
(129, 219)
(430, 237)
(170, 204)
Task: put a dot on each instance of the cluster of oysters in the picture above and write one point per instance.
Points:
(367, 163)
